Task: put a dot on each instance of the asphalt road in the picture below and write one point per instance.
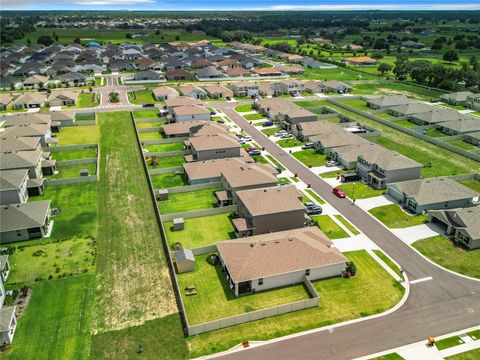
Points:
(444, 304)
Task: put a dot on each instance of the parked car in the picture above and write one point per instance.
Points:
(267, 123)
(347, 177)
(247, 138)
(251, 148)
(312, 209)
(212, 112)
(239, 135)
(148, 105)
(241, 141)
(331, 163)
(221, 121)
(255, 152)
(308, 146)
(339, 193)
(278, 170)
(281, 132)
(286, 136)
(228, 98)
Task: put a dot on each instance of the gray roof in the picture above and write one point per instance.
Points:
(24, 216)
(464, 218)
(435, 190)
(20, 143)
(208, 72)
(12, 179)
(184, 255)
(456, 96)
(6, 315)
(437, 116)
(386, 159)
(412, 108)
(20, 160)
(389, 100)
(463, 125)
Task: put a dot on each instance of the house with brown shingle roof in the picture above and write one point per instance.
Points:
(208, 171)
(29, 100)
(218, 91)
(190, 112)
(210, 147)
(164, 93)
(193, 128)
(192, 91)
(178, 74)
(63, 98)
(5, 100)
(279, 259)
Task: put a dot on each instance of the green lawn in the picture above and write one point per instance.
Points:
(201, 231)
(347, 224)
(259, 159)
(167, 180)
(384, 115)
(405, 123)
(310, 157)
(432, 132)
(165, 147)
(159, 339)
(471, 183)
(440, 250)
(357, 104)
(329, 227)
(254, 116)
(74, 154)
(156, 135)
(275, 162)
(448, 342)
(333, 173)
(166, 162)
(244, 108)
(359, 190)
(394, 217)
(382, 87)
(475, 334)
(339, 73)
(63, 310)
(88, 100)
(66, 172)
(391, 356)
(85, 117)
(144, 125)
(76, 135)
(287, 143)
(468, 355)
(133, 283)
(78, 205)
(371, 291)
(283, 181)
(314, 195)
(146, 114)
(270, 131)
(389, 262)
(463, 145)
(188, 201)
(40, 260)
(140, 97)
(215, 300)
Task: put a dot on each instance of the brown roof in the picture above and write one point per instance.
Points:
(250, 174)
(211, 142)
(269, 70)
(194, 127)
(181, 101)
(360, 59)
(165, 90)
(271, 200)
(237, 71)
(278, 253)
(190, 110)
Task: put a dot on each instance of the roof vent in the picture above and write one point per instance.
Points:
(263, 244)
(290, 239)
(277, 241)
(252, 245)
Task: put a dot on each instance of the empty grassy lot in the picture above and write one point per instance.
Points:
(472, 184)
(357, 104)
(310, 157)
(66, 172)
(201, 231)
(78, 206)
(146, 114)
(188, 201)
(40, 260)
(347, 224)
(329, 227)
(167, 180)
(140, 97)
(74, 154)
(394, 217)
(371, 291)
(76, 135)
(133, 283)
(88, 100)
(359, 190)
(442, 251)
(166, 162)
(165, 147)
(287, 143)
(382, 87)
(244, 108)
(339, 73)
(63, 310)
(215, 300)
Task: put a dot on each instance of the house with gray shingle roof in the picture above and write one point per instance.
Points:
(13, 187)
(462, 225)
(435, 116)
(410, 109)
(384, 102)
(25, 221)
(465, 125)
(29, 100)
(456, 98)
(421, 195)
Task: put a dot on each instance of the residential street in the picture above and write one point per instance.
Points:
(444, 304)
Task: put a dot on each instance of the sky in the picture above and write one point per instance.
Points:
(209, 5)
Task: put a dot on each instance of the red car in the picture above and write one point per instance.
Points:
(339, 193)
(251, 148)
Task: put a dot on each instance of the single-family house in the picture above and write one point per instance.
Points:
(466, 124)
(269, 89)
(279, 259)
(29, 100)
(462, 225)
(435, 116)
(147, 75)
(209, 72)
(23, 160)
(384, 102)
(267, 72)
(178, 74)
(62, 98)
(291, 86)
(5, 100)
(335, 86)
(41, 131)
(192, 91)
(409, 109)
(164, 93)
(173, 102)
(119, 65)
(238, 72)
(25, 221)
(192, 128)
(473, 102)
(190, 112)
(210, 147)
(35, 81)
(245, 88)
(72, 78)
(218, 91)
(13, 189)
(208, 171)
(19, 143)
(473, 138)
(361, 60)
(421, 195)
(456, 98)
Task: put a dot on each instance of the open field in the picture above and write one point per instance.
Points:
(394, 217)
(329, 227)
(201, 231)
(440, 250)
(63, 310)
(128, 243)
(339, 73)
(76, 135)
(78, 206)
(35, 261)
(371, 291)
(216, 300)
(74, 154)
(188, 201)
(382, 87)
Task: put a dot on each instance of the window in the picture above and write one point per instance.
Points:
(260, 281)
(19, 233)
(307, 272)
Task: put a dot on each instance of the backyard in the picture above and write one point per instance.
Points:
(440, 250)
(76, 135)
(310, 157)
(146, 114)
(473, 184)
(329, 227)
(152, 135)
(188, 201)
(201, 231)
(167, 180)
(216, 300)
(177, 146)
(74, 154)
(65, 172)
(165, 162)
(143, 125)
(394, 217)
(370, 292)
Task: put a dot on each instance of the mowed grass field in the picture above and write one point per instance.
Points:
(57, 321)
(133, 283)
(75, 136)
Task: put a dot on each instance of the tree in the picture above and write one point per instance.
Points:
(128, 35)
(29, 42)
(474, 62)
(177, 37)
(384, 67)
(377, 55)
(402, 67)
(46, 40)
(77, 40)
(450, 55)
